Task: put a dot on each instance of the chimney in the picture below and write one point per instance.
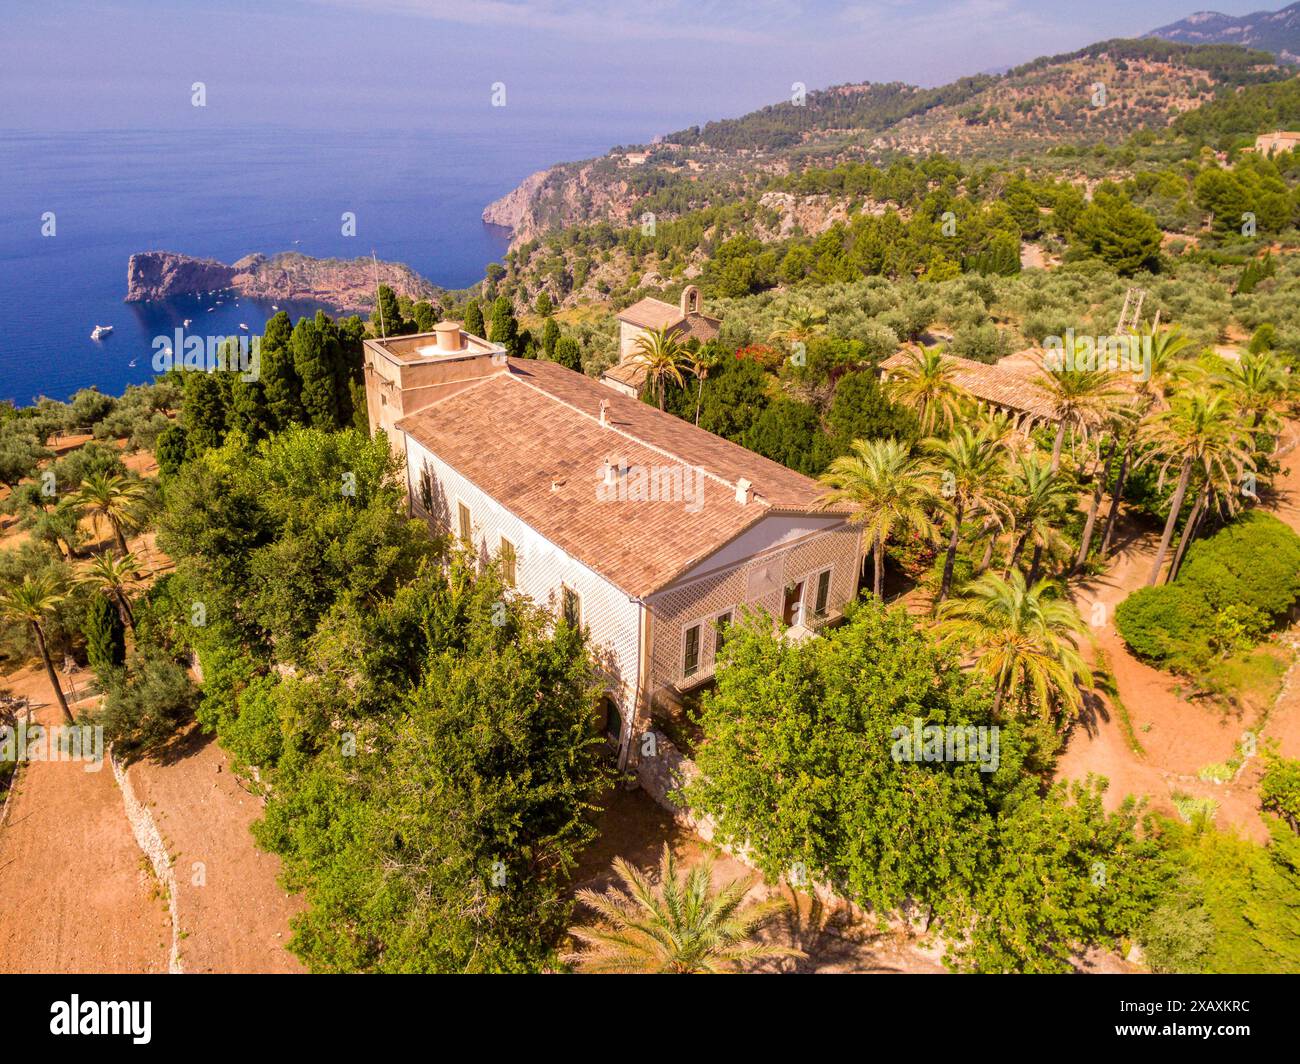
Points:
(744, 491)
(604, 414)
(448, 336)
(610, 472)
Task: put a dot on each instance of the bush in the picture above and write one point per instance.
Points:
(1233, 588)
(144, 705)
(1279, 790)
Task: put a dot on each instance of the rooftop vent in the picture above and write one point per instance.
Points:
(448, 336)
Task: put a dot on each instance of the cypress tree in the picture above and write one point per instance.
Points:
(280, 382)
(505, 329)
(550, 335)
(473, 318)
(105, 636)
(203, 411)
(568, 353)
(315, 360)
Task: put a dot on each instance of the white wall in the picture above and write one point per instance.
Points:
(611, 617)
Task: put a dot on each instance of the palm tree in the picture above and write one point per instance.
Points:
(673, 926)
(31, 602)
(1080, 398)
(659, 352)
(887, 488)
(1024, 637)
(114, 577)
(1200, 431)
(702, 362)
(799, 324)
(1165, 350)
(927, 383)
(1260, 387)
(1042, 500)
(114, 499)
(969, 468)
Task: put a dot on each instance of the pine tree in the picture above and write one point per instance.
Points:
(387, 316)
(425, 316)
(171, 448)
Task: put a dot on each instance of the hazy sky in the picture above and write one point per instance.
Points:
(638, 68)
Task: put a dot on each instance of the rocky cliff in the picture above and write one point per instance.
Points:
(348, 284)
(563, 195)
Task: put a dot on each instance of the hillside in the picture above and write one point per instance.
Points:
(1099, 94)
(1277, 32)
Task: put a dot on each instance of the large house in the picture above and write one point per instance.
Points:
(650, 532)
(1280, 141)
(684, 321)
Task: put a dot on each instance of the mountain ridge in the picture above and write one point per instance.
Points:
(1277, 32)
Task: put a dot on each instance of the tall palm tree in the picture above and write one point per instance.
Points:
(1080, 398)
(115, 577)
(680, 926)
(30, 603)
(927, 383)
(1024, 637)
(1042, 500)
(114, 499)
(702, 362)
(799, 324)
(968, 466)
(659, 352)
(888, 489)
(1199, 432)
(1166, 359)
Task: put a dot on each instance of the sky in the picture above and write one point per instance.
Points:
(638, 68)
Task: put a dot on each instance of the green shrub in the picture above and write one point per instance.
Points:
(1232, 590)
(145, 703)
(1279, 790)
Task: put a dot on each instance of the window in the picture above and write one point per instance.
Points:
(462, 513)
(720, 625)
(691, 664)
(508, 562)
(571, 606)
(823, 593)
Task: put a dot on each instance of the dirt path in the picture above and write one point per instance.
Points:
(76, 894)
(233, 916)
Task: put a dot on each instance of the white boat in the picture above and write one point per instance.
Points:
(133, 362)
(211, 309)
(100, 331)
(186, 323)
(243, 326)
(274, 307)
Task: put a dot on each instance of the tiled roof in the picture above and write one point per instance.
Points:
(628, 372)
(519, 432)
(1009, 386)
(651, 313)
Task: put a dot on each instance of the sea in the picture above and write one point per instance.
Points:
(75, 206)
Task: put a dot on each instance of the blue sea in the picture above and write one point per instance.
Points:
(222, 194)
